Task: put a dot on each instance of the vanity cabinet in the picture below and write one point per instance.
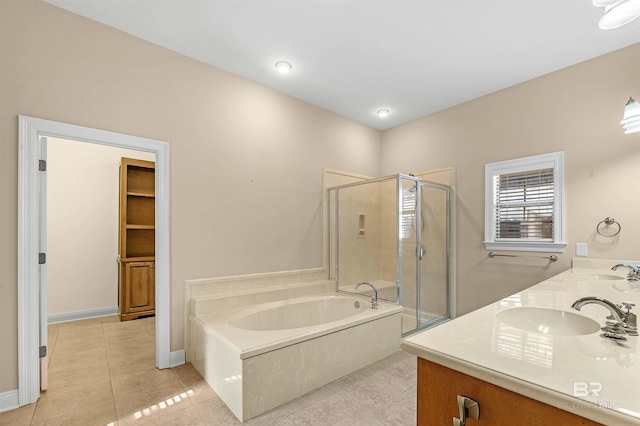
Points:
(136, 239)
(439, 386)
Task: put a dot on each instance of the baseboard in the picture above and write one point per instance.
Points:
(176, 358)
(8, 400)
(80, 315)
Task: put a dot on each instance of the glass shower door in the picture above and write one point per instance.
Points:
(433, 253)
(407, 255)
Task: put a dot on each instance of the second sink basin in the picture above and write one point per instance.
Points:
(548, 321)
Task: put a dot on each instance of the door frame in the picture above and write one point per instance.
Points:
(29, 209)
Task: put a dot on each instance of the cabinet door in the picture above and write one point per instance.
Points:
(140, 283)
(438, 387)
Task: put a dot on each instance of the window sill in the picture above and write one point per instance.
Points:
(522, 246)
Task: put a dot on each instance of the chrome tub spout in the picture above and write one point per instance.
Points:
(374, 299)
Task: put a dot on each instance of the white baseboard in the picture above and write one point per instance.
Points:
(80, 315)
(176, 358)
(8, 400)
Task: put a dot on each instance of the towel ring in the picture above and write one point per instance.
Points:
(608, 221)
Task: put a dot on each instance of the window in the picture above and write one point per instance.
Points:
(524, 204)
(408, 212)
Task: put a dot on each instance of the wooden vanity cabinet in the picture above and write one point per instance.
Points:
(136, 239)
(439, 386)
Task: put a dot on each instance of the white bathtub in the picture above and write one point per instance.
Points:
(260, 357)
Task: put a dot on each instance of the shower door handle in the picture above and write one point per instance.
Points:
(421, 252)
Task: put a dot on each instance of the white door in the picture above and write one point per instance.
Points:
(44, 350)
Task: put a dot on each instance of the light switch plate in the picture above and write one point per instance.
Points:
(581, 249)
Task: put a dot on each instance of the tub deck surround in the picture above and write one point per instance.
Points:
(548, 367)
(207, 295)
(256, 365)
(206, 303)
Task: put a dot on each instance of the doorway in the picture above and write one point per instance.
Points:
(82, 228)
(31, 283)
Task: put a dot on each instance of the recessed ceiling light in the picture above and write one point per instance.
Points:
(383, 113)
(283, 66)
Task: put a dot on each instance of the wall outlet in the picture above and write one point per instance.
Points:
(581, 249)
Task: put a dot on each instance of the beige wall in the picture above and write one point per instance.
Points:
(577, 110)
(82, 224)
(246, 161)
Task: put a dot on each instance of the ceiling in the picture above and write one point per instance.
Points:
(354, 57)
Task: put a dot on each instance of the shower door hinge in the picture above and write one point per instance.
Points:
(42, 165)
(42, 258)
(43, 351)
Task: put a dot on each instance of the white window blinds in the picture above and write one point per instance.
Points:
(524, 205)
(408, 212)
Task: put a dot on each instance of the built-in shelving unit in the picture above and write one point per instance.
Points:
(136, 256)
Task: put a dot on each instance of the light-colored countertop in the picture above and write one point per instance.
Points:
(544, 367)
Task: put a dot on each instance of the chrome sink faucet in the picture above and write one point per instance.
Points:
(634, 271)
(374, 299)
(622, 322)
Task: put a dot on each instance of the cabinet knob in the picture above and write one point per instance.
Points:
(469, 409)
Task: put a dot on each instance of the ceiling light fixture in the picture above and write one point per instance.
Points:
(631, 120)
(383, 113)
(283, 66)
(617, 12)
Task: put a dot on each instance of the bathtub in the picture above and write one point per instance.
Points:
(259, 357)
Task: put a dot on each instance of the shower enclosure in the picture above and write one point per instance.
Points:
(394, 233)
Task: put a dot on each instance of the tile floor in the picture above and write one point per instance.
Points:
(102, 372)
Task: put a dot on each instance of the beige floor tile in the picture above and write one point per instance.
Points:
(130, 348)
(306, 401)
(59, 401)
(79, 343)
(149, 325)
(399, 371)
(330, 409)
(110, 318)
(135, 362)
(102, 371)
(79, 374)
(369, 421)
(272, 418)
(188, 416)
(366, 392)
(193, 381)
(122, 326)
(52, 335)
(135, 393)
(215, 412)
(131, 335)
(87, 324)
(187, 374)
(400, 411)
(70, 360)
(19, 417)
(102, 414)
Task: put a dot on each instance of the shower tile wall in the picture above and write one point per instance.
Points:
(359, 255)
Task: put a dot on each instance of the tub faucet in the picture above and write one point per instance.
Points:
(634, 271)
(624, 322)
(374, 299)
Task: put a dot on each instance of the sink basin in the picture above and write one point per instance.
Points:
(609, 277)
(548, 321)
